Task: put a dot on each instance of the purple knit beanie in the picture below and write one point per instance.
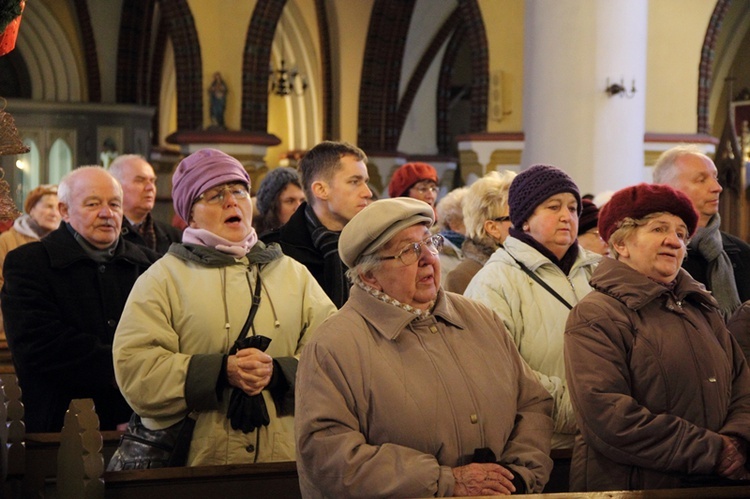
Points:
(199, 172)
(533, 186)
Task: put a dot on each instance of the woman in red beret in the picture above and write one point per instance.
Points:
(659, 387)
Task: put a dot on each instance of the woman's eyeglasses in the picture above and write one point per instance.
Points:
(502, 219)
(217, 196)
(424, 189)
(413, 251)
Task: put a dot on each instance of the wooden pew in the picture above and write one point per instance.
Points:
(13, 452)
(81, 475)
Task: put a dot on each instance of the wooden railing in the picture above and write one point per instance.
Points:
(74, 461)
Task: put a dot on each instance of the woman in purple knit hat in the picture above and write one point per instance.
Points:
(537, 276)
(179, 347)
(660, 388)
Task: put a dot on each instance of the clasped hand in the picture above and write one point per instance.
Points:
(482, 479)
(732, 460)
(249, 370)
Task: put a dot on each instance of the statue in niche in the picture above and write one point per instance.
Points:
(109, 152)
(217, 93)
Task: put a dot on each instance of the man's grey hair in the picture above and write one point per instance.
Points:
(117, 166)
(665, 168)
(67, 183)
(450, 208)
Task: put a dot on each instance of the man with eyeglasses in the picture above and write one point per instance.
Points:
(415, 180)
(138, 181)
(334, 177)
(410, 391)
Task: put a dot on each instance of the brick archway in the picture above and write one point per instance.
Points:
(707, 61)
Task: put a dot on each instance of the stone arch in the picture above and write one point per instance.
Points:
(53, 69)
(258, 42)
(705, 72)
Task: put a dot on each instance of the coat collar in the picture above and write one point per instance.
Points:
(389, 320)
(635, 290)
(534, 259)
(64, 250)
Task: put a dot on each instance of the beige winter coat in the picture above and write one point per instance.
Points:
(175, 318)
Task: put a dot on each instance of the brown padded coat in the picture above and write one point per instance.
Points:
(387, 403)
(654, 377)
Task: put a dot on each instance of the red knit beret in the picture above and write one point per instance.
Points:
(409, 174)
(640, 200)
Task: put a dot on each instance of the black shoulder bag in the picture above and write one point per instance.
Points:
(541, 282)
(142, 448)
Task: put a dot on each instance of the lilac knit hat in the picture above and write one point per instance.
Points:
(199, 172)
(532, 186)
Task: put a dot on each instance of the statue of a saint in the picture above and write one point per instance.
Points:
(218, 95)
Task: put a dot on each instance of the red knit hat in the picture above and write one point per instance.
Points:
(409, 174)
(643, 199)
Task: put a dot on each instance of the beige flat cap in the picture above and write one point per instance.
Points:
(374, 226)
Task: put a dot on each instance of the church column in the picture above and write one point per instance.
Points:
(571, 49)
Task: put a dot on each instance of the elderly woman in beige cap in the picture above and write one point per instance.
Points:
(409, 391)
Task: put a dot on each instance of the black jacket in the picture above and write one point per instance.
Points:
(296, 241)
(738, 252)
(61, 309)
(165, 235)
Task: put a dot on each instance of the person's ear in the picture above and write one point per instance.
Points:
(493, 229)
(622, 249)
(319, 189)
(63, 209)
(370, 279)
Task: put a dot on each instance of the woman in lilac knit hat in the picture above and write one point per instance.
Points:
(180, 346)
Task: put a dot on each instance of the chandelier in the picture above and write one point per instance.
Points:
(284, 81)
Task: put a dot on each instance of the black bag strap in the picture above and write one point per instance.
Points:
(541, 282)
(253, 308)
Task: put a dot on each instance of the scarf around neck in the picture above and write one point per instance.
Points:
(720, 272)
(203, 237)
(327, 243)
(565, 263)
(27, 226)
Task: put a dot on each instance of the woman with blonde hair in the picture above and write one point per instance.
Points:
(485, 211)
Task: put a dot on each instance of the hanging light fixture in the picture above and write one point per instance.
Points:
(284, 81)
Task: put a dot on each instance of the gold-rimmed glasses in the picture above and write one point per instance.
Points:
(413, 251)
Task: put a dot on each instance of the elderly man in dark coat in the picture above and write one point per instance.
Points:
(62, 300)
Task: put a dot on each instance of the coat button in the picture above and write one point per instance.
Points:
(102, 268)
(112, 323)
(474, 419)
(250, 448)
(433, 329)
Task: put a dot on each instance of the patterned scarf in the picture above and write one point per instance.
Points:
(720, 273)
(147, 231)
(380, 295)
(327, 242)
